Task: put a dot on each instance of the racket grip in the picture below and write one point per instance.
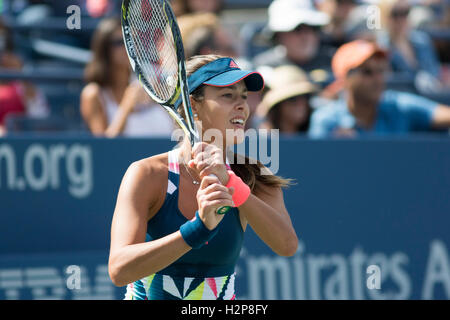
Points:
(224, 209)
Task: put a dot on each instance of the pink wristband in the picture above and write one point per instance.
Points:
(241, 190)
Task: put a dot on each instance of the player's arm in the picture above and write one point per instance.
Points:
(131, 258)
(140, 197)
(441, 117)
(266, 213)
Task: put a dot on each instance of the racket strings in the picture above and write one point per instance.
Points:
(155, 47)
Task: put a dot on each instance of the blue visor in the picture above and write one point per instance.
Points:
(223, 72)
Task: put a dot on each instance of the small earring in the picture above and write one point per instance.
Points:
(195, 115)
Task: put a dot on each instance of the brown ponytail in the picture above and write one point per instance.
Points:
(253, 174)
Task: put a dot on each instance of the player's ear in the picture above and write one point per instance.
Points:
(194, 104)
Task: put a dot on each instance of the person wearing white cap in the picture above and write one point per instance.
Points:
(294, 26)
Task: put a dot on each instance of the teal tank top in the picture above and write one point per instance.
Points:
(204, 273)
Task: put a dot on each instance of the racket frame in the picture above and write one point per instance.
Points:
(188, 125)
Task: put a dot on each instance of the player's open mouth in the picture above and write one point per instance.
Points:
(238, 122)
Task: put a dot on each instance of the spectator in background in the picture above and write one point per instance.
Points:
(335, 33)
(366, 107)
(286, 104)
(203, 34)
(294, 27)
(98, 8)
(411, 51)
(439, 26)
(16, 97)
(444, 19)
(181, 7)
(110, 104)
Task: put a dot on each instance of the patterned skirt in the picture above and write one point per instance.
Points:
(164, 287)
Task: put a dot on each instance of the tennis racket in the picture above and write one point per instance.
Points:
(155, 49)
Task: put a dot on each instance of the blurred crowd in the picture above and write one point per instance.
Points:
(332, 68)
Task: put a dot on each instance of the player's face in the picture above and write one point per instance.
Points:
(225, 109)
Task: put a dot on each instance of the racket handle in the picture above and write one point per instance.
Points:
(224, 209)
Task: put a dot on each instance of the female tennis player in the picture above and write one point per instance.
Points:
(167, 239)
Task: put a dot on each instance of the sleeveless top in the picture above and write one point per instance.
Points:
(206, 273)
(145, 120)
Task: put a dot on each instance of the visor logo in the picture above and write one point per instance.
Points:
(233, 64)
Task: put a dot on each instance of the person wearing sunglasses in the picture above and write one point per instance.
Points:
(411, 51)
(294, 27)
(113, 103)
(365, 106)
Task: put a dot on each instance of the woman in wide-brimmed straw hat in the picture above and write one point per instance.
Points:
(286, 105)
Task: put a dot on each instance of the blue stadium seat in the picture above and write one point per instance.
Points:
(64, 104)
(15, 123)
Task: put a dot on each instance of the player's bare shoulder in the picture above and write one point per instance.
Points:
(153, 165)
(145, 181)
(151, 171)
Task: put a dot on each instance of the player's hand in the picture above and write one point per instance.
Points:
(210, 196)
(208, 159)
